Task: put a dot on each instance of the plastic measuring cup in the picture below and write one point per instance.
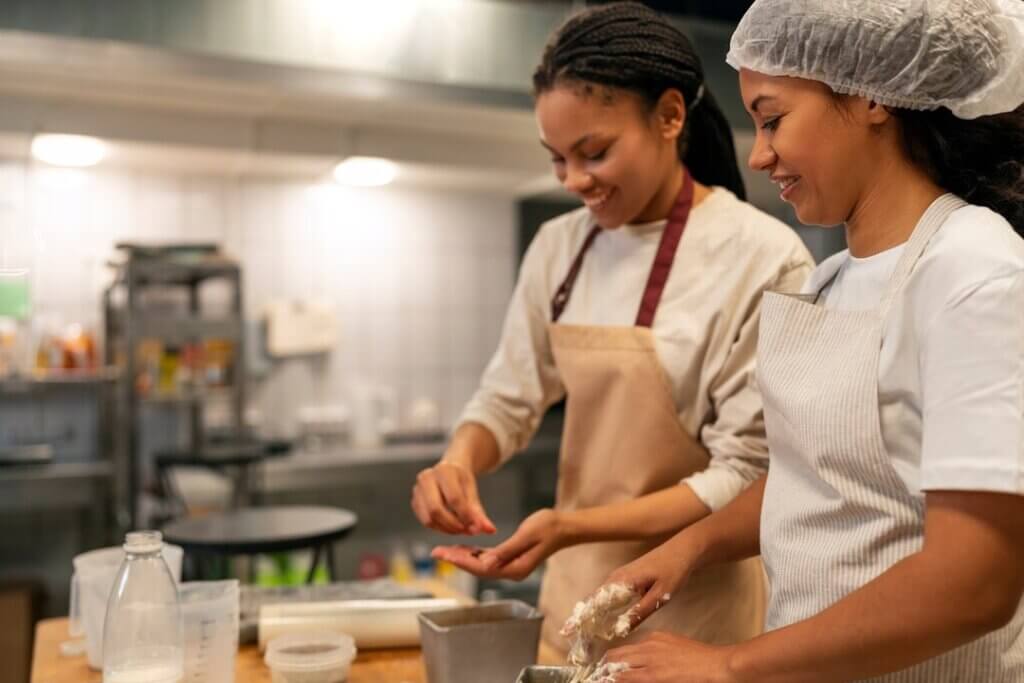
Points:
(93, 577)
(209, 610)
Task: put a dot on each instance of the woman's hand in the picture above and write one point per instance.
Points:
(536, 539)
(655, 576)
(666, 658)
(445, 498)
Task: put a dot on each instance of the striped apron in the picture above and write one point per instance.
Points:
(836, 514)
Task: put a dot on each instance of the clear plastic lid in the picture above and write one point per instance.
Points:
(310, 651)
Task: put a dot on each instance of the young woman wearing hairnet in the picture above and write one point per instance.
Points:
(649, 330)
(891, 521)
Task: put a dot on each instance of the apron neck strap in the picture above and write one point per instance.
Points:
(561, 298)
(660, 269)
(930, 222)
(666, 255)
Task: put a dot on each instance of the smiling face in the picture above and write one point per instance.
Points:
(822, 153)
(611, 150)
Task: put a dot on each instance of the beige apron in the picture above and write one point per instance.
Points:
(836, 513)
(622, 439)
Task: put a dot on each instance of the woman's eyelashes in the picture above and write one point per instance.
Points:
(770, 124)
(590, 157)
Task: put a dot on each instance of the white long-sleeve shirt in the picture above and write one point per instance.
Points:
(705, 329)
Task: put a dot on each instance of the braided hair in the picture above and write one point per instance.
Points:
(627, 46)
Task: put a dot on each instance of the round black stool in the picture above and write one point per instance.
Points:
(271, 529)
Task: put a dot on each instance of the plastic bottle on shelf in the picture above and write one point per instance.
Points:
(400, 565)
(143, 636)
(423, 564)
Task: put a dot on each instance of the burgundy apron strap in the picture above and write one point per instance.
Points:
(659, 270)
(666, 254)
(561, 297)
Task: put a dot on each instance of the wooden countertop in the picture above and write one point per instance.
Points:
(371, 666)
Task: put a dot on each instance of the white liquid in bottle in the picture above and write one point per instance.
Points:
(152, 673)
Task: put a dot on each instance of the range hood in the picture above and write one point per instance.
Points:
(279, 84)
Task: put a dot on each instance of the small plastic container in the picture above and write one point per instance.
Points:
(312, 657)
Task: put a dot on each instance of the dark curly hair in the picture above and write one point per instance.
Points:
(627, 46)
(980, 160)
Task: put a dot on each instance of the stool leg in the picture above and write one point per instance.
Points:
(188, 572)
(312, 567)
(332, 573)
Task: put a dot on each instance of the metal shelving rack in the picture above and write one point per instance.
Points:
(127, 323)
(41, 386)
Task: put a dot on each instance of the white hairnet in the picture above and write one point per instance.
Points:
(966, 55)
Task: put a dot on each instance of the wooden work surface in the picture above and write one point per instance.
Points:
(371, 666)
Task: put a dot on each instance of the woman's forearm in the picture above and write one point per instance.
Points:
(731, 534)
(904, 617)
(678, 511)
(656, 515)
(474, 447)
(966, 581)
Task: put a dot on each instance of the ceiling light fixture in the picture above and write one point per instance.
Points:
(68, 150)
(365, 172)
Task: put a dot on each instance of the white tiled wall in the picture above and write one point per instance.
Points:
(419, 278)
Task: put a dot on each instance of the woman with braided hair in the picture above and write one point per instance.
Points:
(641, 308)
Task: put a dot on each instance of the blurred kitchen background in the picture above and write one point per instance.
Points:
(269, 266)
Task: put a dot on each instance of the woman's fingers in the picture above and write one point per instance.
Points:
(431, 507)
(512, 548)
(464, 557)
(522, 566)
(459, 493)
(650, 602)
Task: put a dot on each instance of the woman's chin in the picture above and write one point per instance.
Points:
(808, 216)
(609, 222)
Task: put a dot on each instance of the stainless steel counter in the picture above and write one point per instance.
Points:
(50, 513)
(311, 471)
(55, 486)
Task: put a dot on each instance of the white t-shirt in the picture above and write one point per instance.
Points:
(951, 366)
(705, 329)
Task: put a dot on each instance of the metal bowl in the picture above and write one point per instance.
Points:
(545, 674)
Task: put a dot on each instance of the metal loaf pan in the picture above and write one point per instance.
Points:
(489, 642)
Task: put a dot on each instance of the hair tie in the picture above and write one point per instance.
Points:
(698, 97)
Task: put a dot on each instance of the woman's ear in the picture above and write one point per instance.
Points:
(877, 114)
(670, 114)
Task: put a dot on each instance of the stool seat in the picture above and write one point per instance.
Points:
(271, 529)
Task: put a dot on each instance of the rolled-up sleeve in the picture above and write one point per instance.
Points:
(521, 381)
(735, 436)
